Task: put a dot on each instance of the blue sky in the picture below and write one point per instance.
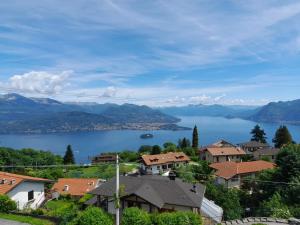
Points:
(151, 52)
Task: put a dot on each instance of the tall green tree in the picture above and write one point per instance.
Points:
(184, 143)
(69, 156)
(156, 149)
(282, 137)
(195, 141)
(258, 134)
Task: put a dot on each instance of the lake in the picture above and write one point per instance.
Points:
(87, 144)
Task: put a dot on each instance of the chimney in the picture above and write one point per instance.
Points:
(172, 175)
(13, 181)
(194, 188)
(66, 187)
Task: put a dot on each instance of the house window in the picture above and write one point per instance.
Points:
(30, 195)
(164, 167)
(158, 167)
(217, 158)
(170, 166)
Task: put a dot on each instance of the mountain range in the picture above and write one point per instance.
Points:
(19, 114)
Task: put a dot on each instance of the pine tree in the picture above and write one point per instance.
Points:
(69, 156)
(282, 137)
(195, 138)
(258, 134)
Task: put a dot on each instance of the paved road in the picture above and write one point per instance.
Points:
(10, 222)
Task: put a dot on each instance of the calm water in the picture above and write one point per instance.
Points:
(87, 144)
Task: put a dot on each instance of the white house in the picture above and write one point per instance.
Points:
(156, 164)
(27, 192)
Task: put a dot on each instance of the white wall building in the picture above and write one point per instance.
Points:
(27, 192)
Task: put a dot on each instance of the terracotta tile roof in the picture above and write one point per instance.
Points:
(12, 180)
(229, 169)
(75, 186)
(253, 144)
(165, 158)
(217, 151)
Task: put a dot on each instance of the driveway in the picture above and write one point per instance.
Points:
(10, 222)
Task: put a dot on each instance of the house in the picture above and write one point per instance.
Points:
(252, 146)
(152, 193)
(27, 192)
(266, 153)
(221, 154)
(104, 158)
(232, 174)
(222, 143)
(76, 187)
(155, 164)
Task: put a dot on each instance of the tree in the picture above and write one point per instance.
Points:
(156, 149)
(69, 156)
(282, 137)
(135, 216)
(288, 161)
(145, 149)
(6, 204)
(184, 143)
(274, 207)
(169, 147)
(195, 138)
(258, 134)
(93, 215)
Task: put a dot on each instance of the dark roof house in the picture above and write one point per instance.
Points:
(153, 193)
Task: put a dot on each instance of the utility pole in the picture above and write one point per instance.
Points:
(117, 192)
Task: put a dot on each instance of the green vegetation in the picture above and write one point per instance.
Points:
(195, 141)
(282, 137)
(178, 218)
(25, 219)
(93, 215)
(27, 157)
(6, 204)
(57, 208)
(258, 134)
(69, 156)
(135, 216)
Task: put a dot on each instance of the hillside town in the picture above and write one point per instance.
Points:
(160, 181)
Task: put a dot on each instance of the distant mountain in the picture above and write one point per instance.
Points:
(279, 112)
(211, 110)
(19, 114)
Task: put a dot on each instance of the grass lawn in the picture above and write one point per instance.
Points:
(25, 219)
(58, 208)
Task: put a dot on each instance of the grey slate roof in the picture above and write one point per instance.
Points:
(268, 151)
(157, 190)
(253, 144)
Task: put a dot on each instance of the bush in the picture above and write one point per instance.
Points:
(178, 218)
(6, 204)
(37, 212)
(93, 215)
(135, 216)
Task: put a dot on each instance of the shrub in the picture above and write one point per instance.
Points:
(37, 212)
(6, 204)
(178, 218)
(135, 216)
(93, 215)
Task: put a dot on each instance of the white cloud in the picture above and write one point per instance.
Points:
(39, 82)
(109, 92)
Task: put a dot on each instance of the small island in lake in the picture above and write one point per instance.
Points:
(145, 136)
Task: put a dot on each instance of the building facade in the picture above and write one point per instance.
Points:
(160, 163)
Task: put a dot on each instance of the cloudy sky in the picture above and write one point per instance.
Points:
(151, 52)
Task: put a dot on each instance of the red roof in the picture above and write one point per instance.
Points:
(12, 180)
(75, 186)
(165, 158)
(228, 170)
